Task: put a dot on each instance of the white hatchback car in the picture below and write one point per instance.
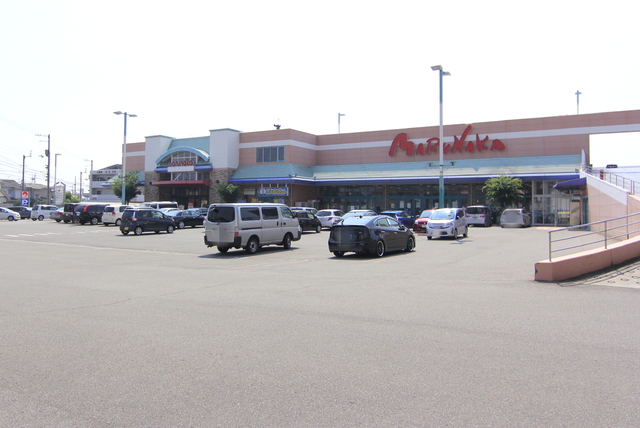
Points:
(515, 217)
(113, 214)
(447, 222)
(7, 214)
(329, 217)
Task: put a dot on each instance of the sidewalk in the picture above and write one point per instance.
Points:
(625, 275)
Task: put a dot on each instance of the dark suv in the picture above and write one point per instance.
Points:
(138, 220)
(67, 213)
(88, 213)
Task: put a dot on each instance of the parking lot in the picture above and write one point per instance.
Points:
(101, 329)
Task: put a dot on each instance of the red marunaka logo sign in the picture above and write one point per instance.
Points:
(432, 145)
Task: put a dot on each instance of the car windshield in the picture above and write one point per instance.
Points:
(426, 214)
(442, 215)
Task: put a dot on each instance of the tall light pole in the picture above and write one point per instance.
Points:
(441, 138)
(578, 93)
(124, 151)
(339, 116)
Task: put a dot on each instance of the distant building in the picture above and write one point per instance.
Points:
(100, 185)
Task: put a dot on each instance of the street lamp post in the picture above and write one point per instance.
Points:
(124, 151)
(339, 116)
(441, 139)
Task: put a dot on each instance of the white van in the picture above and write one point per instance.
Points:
(250, 226)
(40, 212)
(158, 205)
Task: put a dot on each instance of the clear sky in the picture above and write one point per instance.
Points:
(187, 67)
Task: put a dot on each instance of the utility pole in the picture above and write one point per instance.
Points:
(578, 93)
(48, 155)
(24, 159)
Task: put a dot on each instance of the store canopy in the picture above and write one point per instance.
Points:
(569, 184)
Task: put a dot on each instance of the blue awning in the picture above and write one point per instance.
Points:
(577, 182)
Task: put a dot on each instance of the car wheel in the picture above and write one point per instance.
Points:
(138, 230)
(170, 229)
(286, 242)
(57, 221)
(181, 225)
(411, 244)
(10, 218)
(454, 231)
(380, 248)
(252, 246)
(338, 253)
(118, 222)
(466, 232)
(223, 249)
(82, 223)
(124, 232)
(318, 228)
(94, 221)
(33, 218)
(41, 218)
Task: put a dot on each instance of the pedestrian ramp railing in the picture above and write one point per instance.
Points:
(633, 187)
(591, 236)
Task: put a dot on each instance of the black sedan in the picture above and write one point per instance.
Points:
(184, 218)
(308, 221)
(370, 235)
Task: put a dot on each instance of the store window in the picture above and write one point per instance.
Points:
(187, 176)
(550, 207)
(270, 154)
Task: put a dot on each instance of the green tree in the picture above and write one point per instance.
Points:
(130, 186)
(503, 191)
(228, 192)
(70, 198)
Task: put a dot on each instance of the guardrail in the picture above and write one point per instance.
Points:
(627, 184)
(594, 235)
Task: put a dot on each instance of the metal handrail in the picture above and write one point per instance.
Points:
(602, 232)
(631, 186)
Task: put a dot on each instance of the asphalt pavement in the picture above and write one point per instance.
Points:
(104, 330)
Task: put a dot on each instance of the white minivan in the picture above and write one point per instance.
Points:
(40, 212)
(250, 226)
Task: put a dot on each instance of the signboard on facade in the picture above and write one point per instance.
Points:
(181, 166)
(273, 191)
(464, 143)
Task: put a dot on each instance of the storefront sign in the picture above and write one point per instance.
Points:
(181, 166)
(432, 146)
(181, 163)
(273, 191)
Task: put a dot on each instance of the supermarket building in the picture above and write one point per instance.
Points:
(390, 169)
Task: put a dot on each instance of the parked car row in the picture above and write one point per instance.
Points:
(7, 214)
